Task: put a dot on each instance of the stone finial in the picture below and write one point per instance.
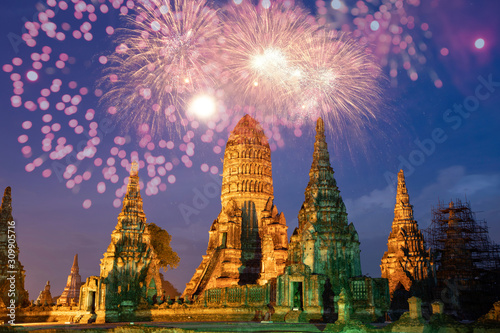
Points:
(134, 169)
(402, 192)
(415, 305)
(248, 131)
(320, 127)
(320, 146)
(321, 170)
(74, 268)
(132, 201)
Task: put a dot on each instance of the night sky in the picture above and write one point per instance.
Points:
(55, 222)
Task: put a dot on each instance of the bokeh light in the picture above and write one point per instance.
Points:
(398, 37)
(32, 76)
(479, 43)
(70, 132)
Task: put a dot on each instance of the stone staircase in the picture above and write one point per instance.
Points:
(207, 273)
(77, 318)
(85, 318)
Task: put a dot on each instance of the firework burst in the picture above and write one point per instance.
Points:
(281, 60)
(63, 135)
(163, 57)
(260, 52)
(339, 82)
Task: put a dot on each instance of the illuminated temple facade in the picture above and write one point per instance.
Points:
(324, 255)
(406, 259)
(324, 250)
(248, 240)
(249, 261)
(130, 272)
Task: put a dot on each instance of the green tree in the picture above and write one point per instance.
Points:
(160, 240)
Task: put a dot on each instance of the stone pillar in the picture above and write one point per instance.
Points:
(344, 308)
(437, 307)
(415, 305)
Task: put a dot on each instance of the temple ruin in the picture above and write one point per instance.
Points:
(12, 273)
(249, 262)
(130, 273)
(45, 297)
(71, 293)
(406, 259)
(324, 255)
(251, 272)
(248, 241)
(467, 261)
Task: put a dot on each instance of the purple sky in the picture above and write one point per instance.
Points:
(52, 224)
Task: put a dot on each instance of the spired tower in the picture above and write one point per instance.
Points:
(9, 262)
(248, 240)
(71, 293)
(324, 241)
(130, 267)
(406, 259)
(324, 255)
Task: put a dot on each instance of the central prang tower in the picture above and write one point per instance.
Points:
(248, 240)
(247, 172)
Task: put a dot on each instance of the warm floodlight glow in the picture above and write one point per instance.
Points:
(203, 106)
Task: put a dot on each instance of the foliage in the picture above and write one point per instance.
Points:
(160, 240)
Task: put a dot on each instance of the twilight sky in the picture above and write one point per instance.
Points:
(443, 131)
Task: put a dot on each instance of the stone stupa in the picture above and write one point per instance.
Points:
(248, 240)
(71, 293)
(406, 259)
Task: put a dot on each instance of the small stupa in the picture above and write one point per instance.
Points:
(45, 298)
(71, 293)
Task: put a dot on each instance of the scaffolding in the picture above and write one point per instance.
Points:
(460, 243)
(462, 251)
